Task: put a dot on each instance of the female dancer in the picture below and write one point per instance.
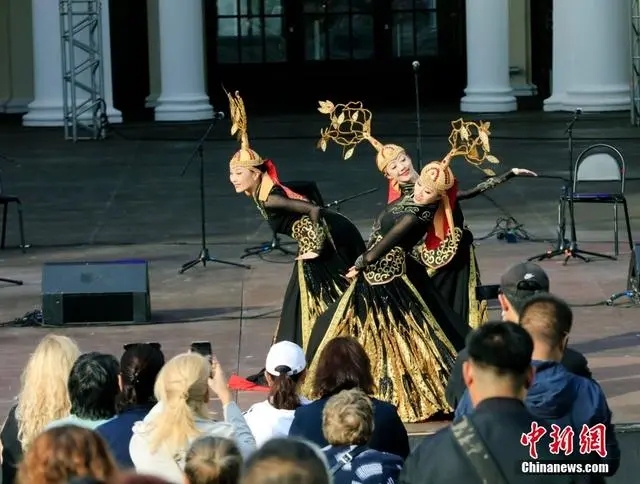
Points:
(410, 333)
(450, 262)
(328, 243)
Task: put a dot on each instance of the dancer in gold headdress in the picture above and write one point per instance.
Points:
(409, 331)
(328, 243)
(450, 262)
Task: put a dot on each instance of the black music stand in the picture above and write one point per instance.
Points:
(204, 255)
(568, 248)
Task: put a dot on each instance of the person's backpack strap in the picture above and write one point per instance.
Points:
(346, 458)
(475, 450)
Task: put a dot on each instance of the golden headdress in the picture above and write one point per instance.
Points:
(467, 139)
(245, 157)
(350, 126)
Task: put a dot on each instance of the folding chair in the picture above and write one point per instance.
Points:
(603, 164)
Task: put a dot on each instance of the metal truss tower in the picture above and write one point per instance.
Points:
(82, 71)
(635, 62)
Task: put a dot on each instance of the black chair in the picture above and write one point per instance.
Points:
(604, 165)
(5, 200)
(307, 189)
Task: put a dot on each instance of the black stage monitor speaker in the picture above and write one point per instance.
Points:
(96, 292)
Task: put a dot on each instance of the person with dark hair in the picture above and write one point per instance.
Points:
(343, 364)
(287, 461)
(328, 242)
(93, 388)
(139, 366)
(498, 374)
(285, 371)
(558, 396)
(517, 285)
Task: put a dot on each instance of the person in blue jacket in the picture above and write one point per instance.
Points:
(556, 395)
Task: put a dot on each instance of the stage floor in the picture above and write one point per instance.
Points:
(124, 198)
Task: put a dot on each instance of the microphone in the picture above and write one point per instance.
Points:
(415, 65)
(218, 115)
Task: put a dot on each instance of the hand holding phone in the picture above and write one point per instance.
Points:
(202, 348)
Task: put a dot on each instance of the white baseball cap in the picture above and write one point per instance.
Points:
(285, 357)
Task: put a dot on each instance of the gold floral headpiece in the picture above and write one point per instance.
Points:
(350, 125)
(245, 157)
(470, 140)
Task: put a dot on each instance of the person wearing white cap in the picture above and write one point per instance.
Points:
(285, 370)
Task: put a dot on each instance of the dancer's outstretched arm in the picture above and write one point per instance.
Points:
(493, 182)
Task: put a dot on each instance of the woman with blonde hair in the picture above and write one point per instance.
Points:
(66, 452)
(213, 460)
(183, 389)
(43, 398)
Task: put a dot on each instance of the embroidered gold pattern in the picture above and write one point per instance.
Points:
(387, 267)
(442, 255)
(310, 236)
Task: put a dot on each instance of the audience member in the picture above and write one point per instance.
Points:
(347, 423)
(213, 460)
(285, 372)
(343, 364)
(557, 396)
(93, 388)
(160, 442)
(519, 283)
(139, 367)
(287, 461)
(43, 398)
(133, 478)
(497, 374)
(65, 452)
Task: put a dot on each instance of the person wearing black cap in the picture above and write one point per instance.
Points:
(517, 285)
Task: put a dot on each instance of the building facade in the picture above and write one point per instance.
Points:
(173, 57)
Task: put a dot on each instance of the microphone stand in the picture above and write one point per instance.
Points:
(204, 255)
(569, 248)
(338, 203)
(416, 86)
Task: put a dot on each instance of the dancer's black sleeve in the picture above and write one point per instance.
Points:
(389, 241)
(278, 202)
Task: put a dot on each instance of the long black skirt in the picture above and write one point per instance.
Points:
(458, 280)
(317, 283)
(410, 334)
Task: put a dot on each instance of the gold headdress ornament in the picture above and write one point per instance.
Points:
(350, 126)
(470, 140)
(245, 157)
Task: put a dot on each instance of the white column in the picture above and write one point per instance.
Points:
(46, 108)
(600, 74)
(113, 114)
(488, 84)
(561, 53)
(183, 96)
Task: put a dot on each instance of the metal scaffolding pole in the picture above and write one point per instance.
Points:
(82, 72)
(635, 62)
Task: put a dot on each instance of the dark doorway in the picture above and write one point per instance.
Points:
(541, 45)
(287, 54)
(130, 57)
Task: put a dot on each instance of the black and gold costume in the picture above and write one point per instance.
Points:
(392, 307)
(410, 333)
(314, 283)
(459, 277)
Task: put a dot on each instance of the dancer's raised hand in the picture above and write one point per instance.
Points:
(523, 171)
